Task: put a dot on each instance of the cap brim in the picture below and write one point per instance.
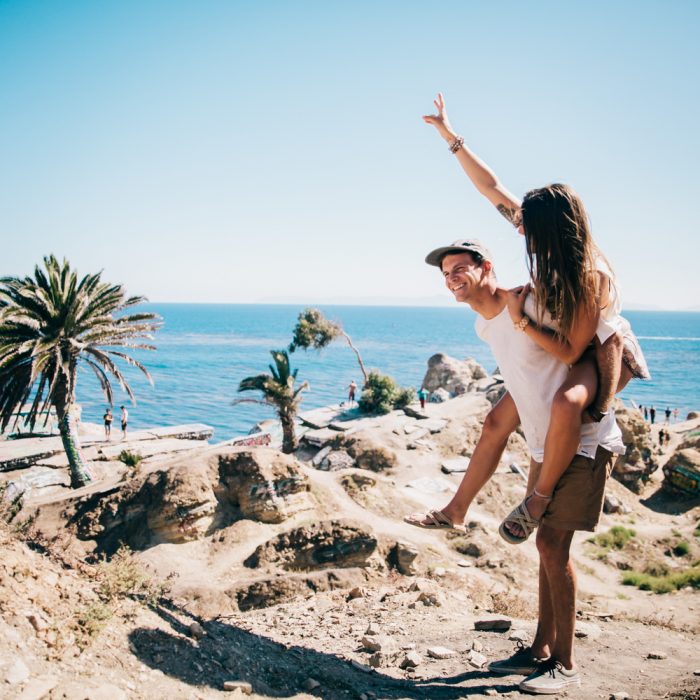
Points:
(435, 256)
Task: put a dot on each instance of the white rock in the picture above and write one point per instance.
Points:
(441, 652)
(476, 659)
(17, 672)
(411, 660)
(245, 687)
(518, 636)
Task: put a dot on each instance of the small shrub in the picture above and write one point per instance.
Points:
(131, 459)
(682, 548)
(381, 394)
(91, 620)
(123, 577)
(664, 583)
(616, 537)
(696, 533)
(656, 568)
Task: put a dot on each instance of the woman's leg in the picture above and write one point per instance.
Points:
(501, 421)
(608, 357)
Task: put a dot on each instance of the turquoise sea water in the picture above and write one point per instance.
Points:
(204, 350)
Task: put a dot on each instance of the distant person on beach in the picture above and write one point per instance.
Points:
(675, 415)
(423, 397)
(124, 421)
(535, 338)
(667, 412)
(646, 413)
(108, 423)
(652, 414)
(351, 392)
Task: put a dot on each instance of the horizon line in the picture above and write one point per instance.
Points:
(395, 304)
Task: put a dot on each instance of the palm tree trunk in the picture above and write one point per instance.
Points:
(79, 474)
(357, 354)
(289, 437)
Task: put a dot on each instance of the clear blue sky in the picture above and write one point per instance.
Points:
(248, 151)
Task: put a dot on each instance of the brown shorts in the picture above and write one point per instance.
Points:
(578, 496)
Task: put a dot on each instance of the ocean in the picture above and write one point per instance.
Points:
(204, 350)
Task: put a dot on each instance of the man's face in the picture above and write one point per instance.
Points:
(462, 275)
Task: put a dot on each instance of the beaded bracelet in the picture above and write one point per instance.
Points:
(521, 324)
(456, 144)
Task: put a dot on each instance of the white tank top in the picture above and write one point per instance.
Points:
(532, 377)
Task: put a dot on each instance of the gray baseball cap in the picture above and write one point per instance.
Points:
(464, 245)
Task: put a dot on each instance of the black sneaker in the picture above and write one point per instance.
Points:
(521, 662)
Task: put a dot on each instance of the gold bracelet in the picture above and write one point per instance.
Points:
(522, 324)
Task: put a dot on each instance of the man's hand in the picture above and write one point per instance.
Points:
(440, 120)
(516, 301)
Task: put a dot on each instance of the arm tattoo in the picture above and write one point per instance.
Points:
(510, 214)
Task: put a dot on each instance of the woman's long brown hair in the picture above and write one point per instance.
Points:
(561, 254)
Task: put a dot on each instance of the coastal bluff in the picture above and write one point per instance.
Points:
(218, 570)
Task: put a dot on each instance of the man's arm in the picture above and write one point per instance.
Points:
(483, 178)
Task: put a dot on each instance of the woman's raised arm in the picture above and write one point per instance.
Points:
(483, 178)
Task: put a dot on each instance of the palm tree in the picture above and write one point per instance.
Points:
(49, 325)
(277, 389)
(314, 330)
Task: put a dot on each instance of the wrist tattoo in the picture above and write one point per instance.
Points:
(510, 214)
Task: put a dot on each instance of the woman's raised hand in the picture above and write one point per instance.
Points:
(440, 120)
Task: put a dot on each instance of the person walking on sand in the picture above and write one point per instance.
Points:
(352, 389)
(667, 413)
(108, 423)
(646, 413)
(675, 415)
(124, 421)
(652, 414)
(423, 397)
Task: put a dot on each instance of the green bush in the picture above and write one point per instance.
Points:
(381, 394)
(663, 584)
(682, 548)
(130, 458)
(616, 537)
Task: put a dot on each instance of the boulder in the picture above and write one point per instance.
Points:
(682, 471)
(402, 557)
(638, 463)
(335, 460)
(692, 415)
(367, 453)
(330, 543)
(265, 484)
(190, 495)
(452, 375)
(440, 396)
